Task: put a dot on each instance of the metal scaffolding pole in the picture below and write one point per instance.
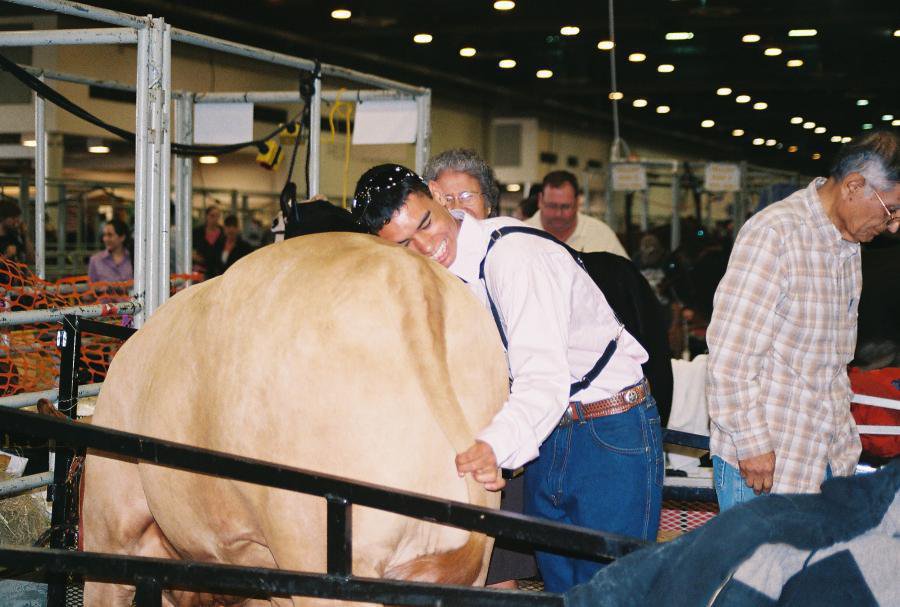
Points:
(40, 186)
(294, 96)
(184, 133)
(141, 160)
(30, 399)
(423, 131)
(100, 35)
(85, 11)
(315, 137)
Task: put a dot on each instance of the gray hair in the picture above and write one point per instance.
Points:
(875, 156)
(470, 163)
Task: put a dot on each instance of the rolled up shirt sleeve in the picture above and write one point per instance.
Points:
(533, 296)
(740, 336)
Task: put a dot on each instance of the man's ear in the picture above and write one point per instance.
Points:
(432, 187)
(852, 183)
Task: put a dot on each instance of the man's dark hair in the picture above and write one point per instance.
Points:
(876, 156)
(556, 179)
(9, 208)
(381, 191)
(231, 221)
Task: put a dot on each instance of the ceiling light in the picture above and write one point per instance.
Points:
(708, 124)
(742, 98)
(513, 187)
(637, 57)
(809, 125)
(98, 149)
(423, 38)
(759, 141)
(770, 142)
(29, 141)
(663, 109)
(835, 139)
(816, 156)
(679, 35)
(544, 74)
(341, 13)
(792, 149)
(615, 95)
(896, 33)
(862, 102)
(639, 103)
(887, 117)
(570, 30)
(606, 45)
(665, 68)
(760, 105)
(467, 51)
(737, 132)
(895, 122)
(507, 64)
(750, 38)
(797, 120)
(867, 126)
(819, 130)
(802, 33)
(504, 5)
(795, 63)
(209, 160)
(772, 51)
(723, 91)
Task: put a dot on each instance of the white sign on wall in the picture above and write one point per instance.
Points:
(385, 121)
(722, 177)
(629, 177)
(223, 123)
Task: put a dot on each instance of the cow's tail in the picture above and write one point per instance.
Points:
(460, 566)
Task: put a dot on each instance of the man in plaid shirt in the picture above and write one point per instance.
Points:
(783, 329)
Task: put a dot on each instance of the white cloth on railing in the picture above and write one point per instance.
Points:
(689, 411)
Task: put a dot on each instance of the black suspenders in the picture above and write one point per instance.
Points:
(499, 233)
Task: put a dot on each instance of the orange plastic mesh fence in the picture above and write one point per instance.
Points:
(29, 358)
(680, 517)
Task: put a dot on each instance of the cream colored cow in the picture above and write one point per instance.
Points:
(338, 353)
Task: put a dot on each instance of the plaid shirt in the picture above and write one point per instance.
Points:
(783, 330)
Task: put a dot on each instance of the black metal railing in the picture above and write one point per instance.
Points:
(151, 576)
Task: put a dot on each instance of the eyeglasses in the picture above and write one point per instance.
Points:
(890, 216)
(464, 198)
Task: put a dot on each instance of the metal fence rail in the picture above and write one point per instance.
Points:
(151, 575)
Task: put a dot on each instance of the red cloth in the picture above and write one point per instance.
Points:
(884, 383)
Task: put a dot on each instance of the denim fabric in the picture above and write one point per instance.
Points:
(606, 474)
(731, 489)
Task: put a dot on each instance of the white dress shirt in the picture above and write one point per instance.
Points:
(590, 235)
(557, 323)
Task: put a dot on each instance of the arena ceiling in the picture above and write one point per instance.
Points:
(847, 79)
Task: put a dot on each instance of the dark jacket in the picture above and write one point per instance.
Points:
(632, 299)
(241, 249)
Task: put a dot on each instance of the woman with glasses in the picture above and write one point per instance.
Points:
(461, 180)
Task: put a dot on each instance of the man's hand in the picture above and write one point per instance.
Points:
(479, 459)
(758, 472)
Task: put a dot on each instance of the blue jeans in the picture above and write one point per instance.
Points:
(731, 490)
(605, 473)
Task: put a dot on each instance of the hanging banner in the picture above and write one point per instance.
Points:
(722, 177)
(223, 123)
(385, 121)
(629, 177)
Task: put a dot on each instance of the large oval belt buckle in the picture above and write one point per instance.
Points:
(631, 397)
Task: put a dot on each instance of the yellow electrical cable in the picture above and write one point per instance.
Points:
(347, 109)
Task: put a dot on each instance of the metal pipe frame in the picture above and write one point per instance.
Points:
(315, 138)
(423, 130)
(29, 399)
(100, 35)
(148, 574)
(85, 11)
(294, 96)
(184, 167)
(64, 77)
(40, 185)
(26, 483)
(251, 52)
(25, 317)
(141, 180)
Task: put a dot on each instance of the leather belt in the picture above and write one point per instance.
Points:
(617, 403)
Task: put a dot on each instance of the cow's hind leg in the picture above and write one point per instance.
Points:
(115, 518)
